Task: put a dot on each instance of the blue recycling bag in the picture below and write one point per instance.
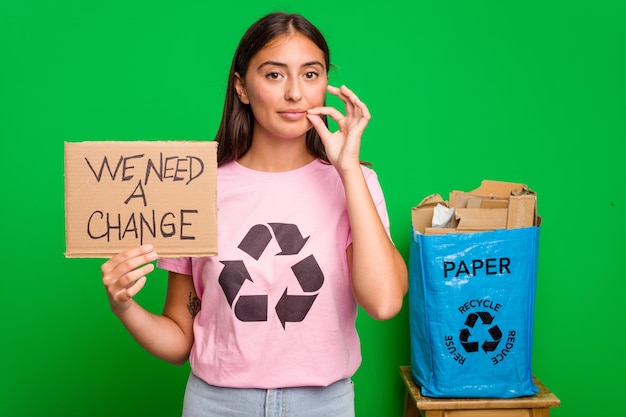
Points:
(471, 308)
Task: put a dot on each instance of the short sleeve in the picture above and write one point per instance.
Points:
(378, 197)
(178, 265)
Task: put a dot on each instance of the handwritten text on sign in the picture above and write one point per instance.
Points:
(121, 194)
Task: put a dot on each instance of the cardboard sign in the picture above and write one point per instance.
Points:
(124, 194)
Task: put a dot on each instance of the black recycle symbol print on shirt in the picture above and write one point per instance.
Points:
(291, 307)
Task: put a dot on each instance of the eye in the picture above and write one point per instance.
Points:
(311, 75)
(273, 75)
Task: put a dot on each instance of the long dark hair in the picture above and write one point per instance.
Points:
(235, 131)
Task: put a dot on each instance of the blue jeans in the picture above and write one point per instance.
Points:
(204, 400)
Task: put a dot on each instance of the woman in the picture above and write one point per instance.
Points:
(303, 237)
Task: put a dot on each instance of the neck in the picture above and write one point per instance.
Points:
(279, 156)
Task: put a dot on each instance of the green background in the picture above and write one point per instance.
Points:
(531, 92)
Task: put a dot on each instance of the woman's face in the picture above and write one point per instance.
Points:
(284, 79)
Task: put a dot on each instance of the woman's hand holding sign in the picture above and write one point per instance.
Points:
(124, 275)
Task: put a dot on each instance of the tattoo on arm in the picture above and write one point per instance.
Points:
(193, 305)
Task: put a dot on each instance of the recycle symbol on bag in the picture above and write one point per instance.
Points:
(291, 307)
(494, 332)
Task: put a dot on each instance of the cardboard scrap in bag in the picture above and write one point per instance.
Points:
(492, 206)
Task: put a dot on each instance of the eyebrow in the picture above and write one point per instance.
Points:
(282, 64)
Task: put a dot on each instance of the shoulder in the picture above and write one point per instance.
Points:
(226, 167)
(367, 171)
(371, 177)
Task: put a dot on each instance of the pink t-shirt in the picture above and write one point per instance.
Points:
(277, 304)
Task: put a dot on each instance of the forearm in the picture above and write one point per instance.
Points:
(158, 334)
(378, 271)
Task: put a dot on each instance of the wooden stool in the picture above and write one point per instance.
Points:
(533, 406)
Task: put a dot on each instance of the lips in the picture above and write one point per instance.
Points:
(293, 114)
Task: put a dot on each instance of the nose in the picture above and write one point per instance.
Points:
(293, 91)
